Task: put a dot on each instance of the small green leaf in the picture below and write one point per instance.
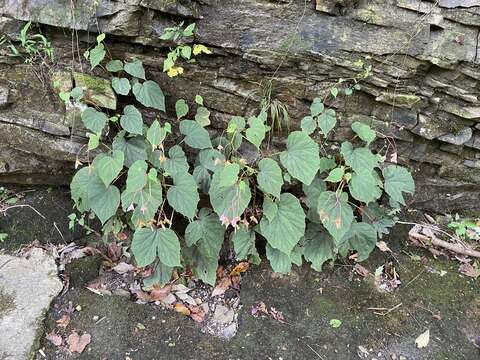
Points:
(186, 52)
(135, 69)
(270, 178)
(285, 229)
(149, 94)
(131, 120)
(94, 120)
(114, 66)
(203, 116)
(301, 158)
(308, 124)
(327, 121)
(397, 180)
(203, 267)
(96, 55)
(334, 92)
(336, 175)
(156, 134)
(147, 244)
(183, 196)
(335, 213)
(181, 108)
(335, 323)
(121, 85)
(195, 135)
(256, 131)
(93, 141)
(109, 167)
(317, 107)
(199, 100)
(364, 132)
(188, 31)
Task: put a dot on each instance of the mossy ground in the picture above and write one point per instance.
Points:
(308, 300)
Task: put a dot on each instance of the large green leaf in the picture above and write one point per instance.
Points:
(256, 131)
(183, 196)
(203, 267)
(148, 200)
(228, 175)
(335, 213)
(108, 167)
(301, 158)
(361, 237)
(103, 200)
(286, 227)
(207, 233)
(211, 159)
(195, 135)
(131, 120)
(243, 240)
(134, 149)
(364, 132)
(137, 176)
(280, 262)
(149, 94)
(147, 244)
(229, 202)
(270, 179)
(364, 186)
(397, 180)
(176, 163)
(308, 124)
(96, 55)
(121, 85)
(202, 177)
(135, 69)
(79, 187)
(161, 276)
(317, 107)
(360, 159)
(94, 120)
(114, 66)
(319, 246)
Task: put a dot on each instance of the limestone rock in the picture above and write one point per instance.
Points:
(27, 287)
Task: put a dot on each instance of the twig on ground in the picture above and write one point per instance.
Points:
(386, 311)
(457, 248)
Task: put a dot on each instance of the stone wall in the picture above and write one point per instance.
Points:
(423, 94)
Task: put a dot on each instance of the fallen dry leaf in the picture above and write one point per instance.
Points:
(158, 294)
(240, 268)
(222, 286)
(64, 320)
(423, 339)
(361, 270)
(469, 270)
(123, 268)
(182, 309)
(258, 309)
(77, 343)
(114, 252)
(55, 339)
(382, 245)
(196, 313)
